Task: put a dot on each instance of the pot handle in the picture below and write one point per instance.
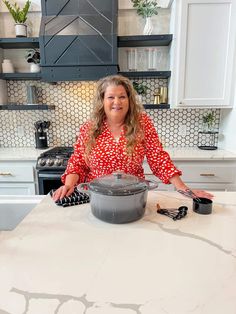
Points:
(151, 184)
(83, 188)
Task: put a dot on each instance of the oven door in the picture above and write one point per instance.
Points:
(48, 181)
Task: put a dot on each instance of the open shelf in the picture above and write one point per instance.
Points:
(157, 74)
(26, 107)
(20, 76)
(144, 40)
(19, 42)
(154, 106)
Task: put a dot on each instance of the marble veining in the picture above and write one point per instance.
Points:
(77, 302)
(183, 234)
(64, 260)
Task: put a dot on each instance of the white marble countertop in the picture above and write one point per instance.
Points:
(192, 153)
(64, 260)
(180, 153)
(20, 153)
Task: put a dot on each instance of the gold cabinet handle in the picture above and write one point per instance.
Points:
(207, 174)
(6, 174)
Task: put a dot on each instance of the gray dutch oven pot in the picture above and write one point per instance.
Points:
(118, 198)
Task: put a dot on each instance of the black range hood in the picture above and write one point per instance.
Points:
(78, 39)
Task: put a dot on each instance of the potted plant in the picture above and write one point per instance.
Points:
(141, 89)
(208, 120)
(19, 15)
(33, 57)
(146, 9)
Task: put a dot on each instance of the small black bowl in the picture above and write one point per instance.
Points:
(202, 205)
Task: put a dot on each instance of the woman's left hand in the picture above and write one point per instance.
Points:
(201, 193)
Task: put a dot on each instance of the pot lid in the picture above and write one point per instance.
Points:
(118, 183)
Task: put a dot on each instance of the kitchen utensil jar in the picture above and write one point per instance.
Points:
(41, 140)
(118, 197)
(40, 133)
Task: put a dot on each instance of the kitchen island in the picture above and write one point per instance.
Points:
(66, 261)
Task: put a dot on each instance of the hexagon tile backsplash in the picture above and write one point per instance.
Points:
(73, 105)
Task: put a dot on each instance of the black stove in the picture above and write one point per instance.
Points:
(54, 159)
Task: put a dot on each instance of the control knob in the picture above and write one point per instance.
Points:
(49, 162)
(42, 162)
(58, 162)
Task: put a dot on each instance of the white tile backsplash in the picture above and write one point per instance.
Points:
(73, 105)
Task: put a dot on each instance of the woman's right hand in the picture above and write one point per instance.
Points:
(62, 191)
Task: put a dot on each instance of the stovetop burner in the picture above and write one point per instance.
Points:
(65, 151)
(55, 158)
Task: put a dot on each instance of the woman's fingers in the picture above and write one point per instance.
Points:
(57, 194)
(205, 194)
(70, 191)
(61, 192)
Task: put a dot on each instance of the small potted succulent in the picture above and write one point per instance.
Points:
(33, 57)
(141, 89)
(146, 9)
(208, 120)
(19, 15)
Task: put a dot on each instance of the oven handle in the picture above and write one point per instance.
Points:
(49, 175)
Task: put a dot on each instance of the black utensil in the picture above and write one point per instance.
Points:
(190, 194)
(174, 213)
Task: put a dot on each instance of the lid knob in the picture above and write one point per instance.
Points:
(118, 175)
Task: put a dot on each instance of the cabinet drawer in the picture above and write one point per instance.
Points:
(20, 188)
(12, 173)
(203, 172)
(213, 172)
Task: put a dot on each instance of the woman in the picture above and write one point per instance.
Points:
(118, 137)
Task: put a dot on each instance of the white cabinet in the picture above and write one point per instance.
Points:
(204, 175)
(209, 175)
(205, 44)
(17, 178)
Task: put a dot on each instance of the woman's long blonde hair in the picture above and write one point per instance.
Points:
(132, 119)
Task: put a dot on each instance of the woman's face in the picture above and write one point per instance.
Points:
(116, 103)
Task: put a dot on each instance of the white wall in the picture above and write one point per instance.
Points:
(227, 138)
(228, 129)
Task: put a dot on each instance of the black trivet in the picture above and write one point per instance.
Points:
(76, 198)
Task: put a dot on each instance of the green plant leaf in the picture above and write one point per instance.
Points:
(208, 119)
(146, 8)
(140, 88)
(19, 15)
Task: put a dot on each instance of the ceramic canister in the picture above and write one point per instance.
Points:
(7, 66)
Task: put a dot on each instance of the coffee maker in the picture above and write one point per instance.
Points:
(41, 134)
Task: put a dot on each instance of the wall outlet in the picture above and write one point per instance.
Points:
(182, 130)
(20, 131)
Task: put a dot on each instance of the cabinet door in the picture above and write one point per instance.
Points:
(17, 189)
(16, 172)
(206, 50)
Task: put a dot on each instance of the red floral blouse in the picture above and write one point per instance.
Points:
(109, 155)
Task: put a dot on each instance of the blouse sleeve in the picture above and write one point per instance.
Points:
(76, 163)
(158, 159)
